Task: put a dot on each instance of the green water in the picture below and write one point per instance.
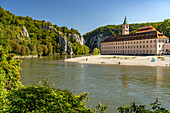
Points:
(111, 85)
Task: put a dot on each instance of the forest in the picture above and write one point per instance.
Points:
(39, 42)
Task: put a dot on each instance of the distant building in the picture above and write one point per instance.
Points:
(146, 41)
(125, 27)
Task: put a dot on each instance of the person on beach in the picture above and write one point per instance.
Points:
(86, 59)
(153, 60)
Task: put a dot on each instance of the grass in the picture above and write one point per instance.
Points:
(162, 58)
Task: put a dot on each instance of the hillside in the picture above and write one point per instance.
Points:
(94, 38)
(25, 36)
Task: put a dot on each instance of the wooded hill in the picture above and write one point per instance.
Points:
(39, 41)
(111, 30)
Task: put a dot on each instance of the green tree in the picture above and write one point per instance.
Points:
(23, 50)
(96, 51)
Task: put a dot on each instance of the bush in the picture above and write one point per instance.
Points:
(96, 51)
(9, 77)
(133, 108)
(45, 99)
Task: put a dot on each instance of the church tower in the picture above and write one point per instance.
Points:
(125, 27)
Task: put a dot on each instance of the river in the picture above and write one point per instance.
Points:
(111, 85)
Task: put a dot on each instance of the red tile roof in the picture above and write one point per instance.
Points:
(146, 32)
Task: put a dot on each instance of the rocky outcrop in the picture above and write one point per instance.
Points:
(46, 27)
(64, 44)
(94, 42)
(25, 33)
(78, 38)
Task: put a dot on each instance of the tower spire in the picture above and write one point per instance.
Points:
(125, 27)
(125, 21)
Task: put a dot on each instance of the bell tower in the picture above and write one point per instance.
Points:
(125, 27)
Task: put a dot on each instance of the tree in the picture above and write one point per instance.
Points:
(96, 51)
(23, 50)
(45, 49)
(15, 47)
(40, 50)
(50, 48)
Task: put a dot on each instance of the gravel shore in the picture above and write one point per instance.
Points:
(122, 60)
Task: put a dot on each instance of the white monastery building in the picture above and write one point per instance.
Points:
(146, 41)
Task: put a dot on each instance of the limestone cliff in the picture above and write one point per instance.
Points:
(25, 33)
(94, 42)
(65, 45)
(78, 38)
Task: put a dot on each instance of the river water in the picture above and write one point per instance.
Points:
(111, 85)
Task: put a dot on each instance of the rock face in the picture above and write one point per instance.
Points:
(46, 27)
(65, 45)
(25, 33)
(78, 38)
(95, 41)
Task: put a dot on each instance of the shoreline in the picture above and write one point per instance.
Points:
(160, 61)
(29, 56)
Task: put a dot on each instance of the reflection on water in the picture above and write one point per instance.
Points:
(111, 85)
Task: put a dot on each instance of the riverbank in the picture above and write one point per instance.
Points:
(122, 60)
(29, 56)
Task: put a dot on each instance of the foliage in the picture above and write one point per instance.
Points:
(133, 108)
(13, 39)
(78, 49)
(96, 51)
(45, 99)
(9, 77)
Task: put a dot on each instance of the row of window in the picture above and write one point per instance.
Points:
(137, 42)
(137, 46)
(131, 51)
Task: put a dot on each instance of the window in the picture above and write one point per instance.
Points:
(163, 41)
(146, 51)
(154, 40)
(143, 51)
(137, 42)
(146, 41)
(150, 45)
(150, 51)
(151, 41)
(147, 46)
(140, 46)
(154, 45)
(131, 42)
(143, 46)
(143, 41)
(159, 45)
(134, 42)
(159, 40)
(134, 46)
(137, 46)
(140, 41)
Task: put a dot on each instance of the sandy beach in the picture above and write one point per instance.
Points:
(122, 60)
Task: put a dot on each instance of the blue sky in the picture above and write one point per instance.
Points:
(87, 15)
